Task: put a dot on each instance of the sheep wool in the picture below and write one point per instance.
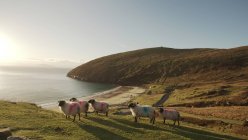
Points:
(70, 108)
(170, 114)
(142, 111)
(84, 105)
(99, 107)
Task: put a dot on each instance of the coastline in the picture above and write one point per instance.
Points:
(120, 95)
(115, 96)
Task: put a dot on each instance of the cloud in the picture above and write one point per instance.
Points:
(47, 62)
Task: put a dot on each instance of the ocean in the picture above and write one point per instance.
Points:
(43, 86)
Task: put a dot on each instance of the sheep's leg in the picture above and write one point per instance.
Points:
(153, 120)
(79, 116)
(135, 119)
(164, 120)
(178, 122)
(74, 118)
(107, 113)
(97, 112)
(174, 122)
(86, 114)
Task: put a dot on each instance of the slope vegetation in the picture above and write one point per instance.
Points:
(166, 65)
(32, 122)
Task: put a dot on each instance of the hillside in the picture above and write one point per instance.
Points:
(166, 65)
(33, 122)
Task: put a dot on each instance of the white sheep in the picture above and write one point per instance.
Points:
(99, 107)
(84, 105)
(70, 108)
(142, 111)
(170, 114)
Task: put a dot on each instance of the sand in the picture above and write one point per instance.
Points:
(121, 95)
(116, 96)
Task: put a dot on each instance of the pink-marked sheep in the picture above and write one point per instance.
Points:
(84, 105)
(70, 108)
(99, 107)
(142, 111)
(170, 114)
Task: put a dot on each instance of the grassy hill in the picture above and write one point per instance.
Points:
(166, 65)
(208, 86)
(33, 122)
(181, 77)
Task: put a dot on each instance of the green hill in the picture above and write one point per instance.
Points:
(166, 65)
(33, 122)
(194, 77)
(208, 87)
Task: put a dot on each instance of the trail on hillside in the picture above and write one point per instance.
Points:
(168, 91)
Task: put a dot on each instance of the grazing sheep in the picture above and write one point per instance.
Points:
(142, 111)
(99, 107)
(170, 114)
(84, 105)
(71, 108)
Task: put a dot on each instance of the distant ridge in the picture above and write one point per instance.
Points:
(166, 65)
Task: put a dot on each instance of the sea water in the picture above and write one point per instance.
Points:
(43, 86)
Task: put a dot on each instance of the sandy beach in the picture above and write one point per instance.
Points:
(116, 96)
(120, 95)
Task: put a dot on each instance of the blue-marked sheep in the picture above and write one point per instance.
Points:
(70, 108)
(170, 114)
(84, 105)
(99, 107)
(142, 111)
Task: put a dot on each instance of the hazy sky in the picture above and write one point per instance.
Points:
(65, 31)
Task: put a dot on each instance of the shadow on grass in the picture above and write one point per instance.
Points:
(196, 134)
(100, 133)
(138, 125)
(115, 125)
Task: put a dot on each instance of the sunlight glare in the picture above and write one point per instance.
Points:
(6, 49)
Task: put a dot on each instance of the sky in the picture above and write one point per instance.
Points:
(71, 32)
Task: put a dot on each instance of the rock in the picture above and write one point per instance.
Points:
(245, 124)
(5, 133)
(16, 138)
(58, 129)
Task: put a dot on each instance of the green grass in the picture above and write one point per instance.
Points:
(33, 122)
(165, 65)
(153, 94)
(200, 93)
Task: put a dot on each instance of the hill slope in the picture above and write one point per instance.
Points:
(166, 65)
(36, 123)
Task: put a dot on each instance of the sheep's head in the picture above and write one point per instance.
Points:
(92, 101)
(132, 105)
(61, 103)
(161, 110)
(73, 99)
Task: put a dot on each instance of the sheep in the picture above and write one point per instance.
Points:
(70, 108)
(84, 105)
(101, 107)
(170, 114)
(142, 111)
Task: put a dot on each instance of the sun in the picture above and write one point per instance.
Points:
(6, 49)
